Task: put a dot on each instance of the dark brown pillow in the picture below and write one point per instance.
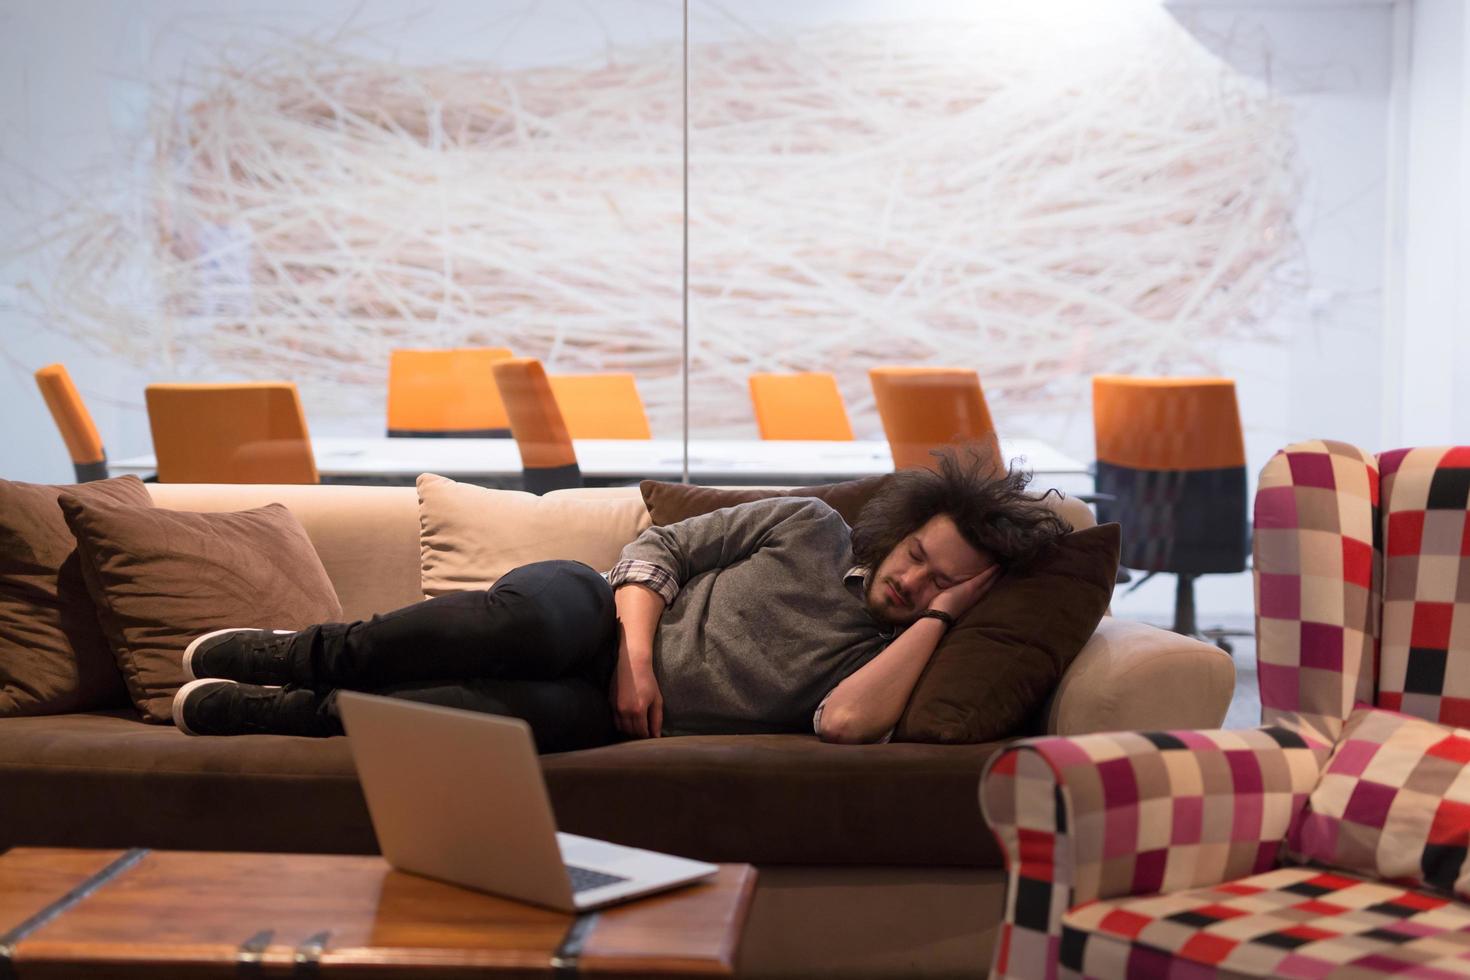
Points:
(1003, 659)
(161, 577)
(669, 503)
(54, 658)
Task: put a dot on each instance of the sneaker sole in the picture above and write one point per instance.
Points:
(178, 706)
(198, 641)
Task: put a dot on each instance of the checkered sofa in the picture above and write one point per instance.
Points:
(1161, 854)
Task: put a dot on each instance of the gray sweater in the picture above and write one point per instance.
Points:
(762, 626)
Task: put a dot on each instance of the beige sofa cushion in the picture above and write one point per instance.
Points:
(366, 537)
(469, 536)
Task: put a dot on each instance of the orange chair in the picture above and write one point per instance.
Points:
(83, 444)
(806, 405)
(601, 406)
(548, 459)
(247, 432)
(448, 392)
(927, 408)
(1171, 471)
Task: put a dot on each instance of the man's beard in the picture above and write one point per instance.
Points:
(882, 611)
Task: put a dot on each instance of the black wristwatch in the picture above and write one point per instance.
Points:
(940, 615)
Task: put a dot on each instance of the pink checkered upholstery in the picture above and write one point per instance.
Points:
(1098, 816)
(1349, 550)
(1426, 586)
(1317, 578)
(1290, 922)
(1393, 803)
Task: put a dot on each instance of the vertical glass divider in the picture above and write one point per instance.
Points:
(685, 283)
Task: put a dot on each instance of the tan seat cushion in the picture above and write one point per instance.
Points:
(162, 577)
(111, 781)
(54, 657)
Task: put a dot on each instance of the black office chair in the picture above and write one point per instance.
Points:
(1171, 471)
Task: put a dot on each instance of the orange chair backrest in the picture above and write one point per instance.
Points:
(601, 406)
(804, 405)
(78, 431)
(1166, 423)
(926, 408)
(445, 392)
(246, 432)
(540, 432)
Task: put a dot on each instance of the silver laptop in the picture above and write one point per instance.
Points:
(458, 795)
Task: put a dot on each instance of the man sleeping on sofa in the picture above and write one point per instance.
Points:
(770, 616)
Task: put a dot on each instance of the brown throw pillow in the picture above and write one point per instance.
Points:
(54, 658)
(161, 577)
(1004, 657)
(669, 503)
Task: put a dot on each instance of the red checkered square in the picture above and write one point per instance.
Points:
(1455, 747)
(1357, 562)
(1451, 823)
(1431, 626)
(1405, 533)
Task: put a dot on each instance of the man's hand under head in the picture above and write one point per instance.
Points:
(958, 599)
(637, 703)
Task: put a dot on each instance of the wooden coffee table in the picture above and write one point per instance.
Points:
(90, 913)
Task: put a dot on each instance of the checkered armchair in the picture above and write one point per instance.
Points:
(1164, 854)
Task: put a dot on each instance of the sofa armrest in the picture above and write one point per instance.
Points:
(1131, 676)
(1134, 813)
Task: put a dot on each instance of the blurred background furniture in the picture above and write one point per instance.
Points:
(1160, 854)
(78, 431)
(600, 406)
(802, 405)
(446, 393)
(246, 432)
(927, 408)
(548, 458)
(1171, 471)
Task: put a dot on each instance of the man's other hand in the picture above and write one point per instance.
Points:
(638, 705)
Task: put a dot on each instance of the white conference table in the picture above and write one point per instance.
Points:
(711, 461)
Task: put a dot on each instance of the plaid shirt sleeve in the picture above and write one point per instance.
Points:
(637, 572)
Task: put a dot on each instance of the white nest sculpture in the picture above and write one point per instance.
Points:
(927, 193)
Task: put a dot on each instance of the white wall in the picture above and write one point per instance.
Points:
(1428, 346)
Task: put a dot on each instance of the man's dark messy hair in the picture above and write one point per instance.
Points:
(989, 505)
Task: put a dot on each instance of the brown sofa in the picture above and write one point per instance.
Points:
(873, 859)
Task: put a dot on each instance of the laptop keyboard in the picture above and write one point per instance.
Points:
(585, 878)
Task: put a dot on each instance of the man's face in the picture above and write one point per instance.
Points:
(922, 565)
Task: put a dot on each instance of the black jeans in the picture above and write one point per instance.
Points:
(541, 645)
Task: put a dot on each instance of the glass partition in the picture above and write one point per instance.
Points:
(196, 190)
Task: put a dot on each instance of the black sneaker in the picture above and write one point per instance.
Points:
(249, 655)
(215, 706)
